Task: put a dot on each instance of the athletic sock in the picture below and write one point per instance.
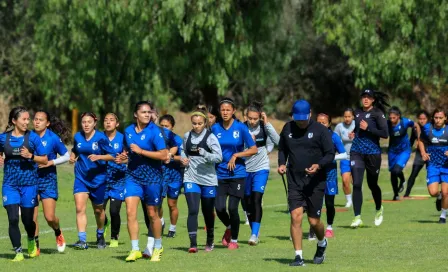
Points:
(299, 253)
(134, 244)
(37, 241)
(57, 232)
(82, 235)
(158, 243)
(193, 239)
(18, 250)
(348, 198)
(322, 243)
(150, 244)
(329, 227)
(99, 232)
(233, 241)
(255, 228)
(173, 228)
(443, 215)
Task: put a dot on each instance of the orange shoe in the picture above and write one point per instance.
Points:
(60, 243)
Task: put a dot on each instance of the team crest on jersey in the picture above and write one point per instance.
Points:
(44, 143)
(5, 198)
(310, 135)
(79, 145)
(189, 186)
(368, 115)
(236, 134)
(95, 146)
(129, 136)
(352, 163)
(116, 146)
(143, 137)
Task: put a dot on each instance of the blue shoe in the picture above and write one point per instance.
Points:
(80, 245)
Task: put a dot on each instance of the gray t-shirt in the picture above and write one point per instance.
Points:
(201, 169)
(260, 161)
(343, 130)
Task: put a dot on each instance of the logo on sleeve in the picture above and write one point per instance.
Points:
(290, 135)
(218, 135)
(129, 136)
(310, 135)
(156, 200)
(160, 135)
(357, 115)
(384, 117)
(211, 192)
(144, 136)
(236, 134)
(95, 146)
(79, 145)
(116, 146)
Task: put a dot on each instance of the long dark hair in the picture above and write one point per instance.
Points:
(381, 102)
(58, 127)
(437, 111)
(169, 118)
(425, 113)
(14, 114)
(139, 104)
(395, 110)
(255, 106)
(226, 100)
(351, 110)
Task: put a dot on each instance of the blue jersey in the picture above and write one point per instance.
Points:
(368, 141)
(116, 173)
(143, 169)
(53, 146)
(398, 135)
(232, 141)
(92, 174)
(436, 142)
(17, 170)
(338, 146)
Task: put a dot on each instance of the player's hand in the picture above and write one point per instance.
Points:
(24, 152)
(231, 164)
(363, 125)
(136, 149)
(185, 161)
(281, 169)
(426, 156)
(121, 157)
(94, 157)
(446, 153)
(264, 117)
(253, 137)
(312, 170)
(351, 135)
(2, 161)
(49, 163)
(73, 159)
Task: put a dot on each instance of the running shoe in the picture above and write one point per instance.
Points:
(379, 216)
(193, 250)
(101, 242)
(402, 184)
(113, 243)
(209, 248)
(329, 233)
(319, 257)
(298, 261)
(60, 243)
(134, 255)
(157, 255)
(226, 237)
(396, 198)
(147, 253)
(442, 220)
(348, 204)
(80, 245)
(357, 222)
(253, 241)
(233, 245)
(33, 251)
(171, 234)
(18, 258)
(311, 235)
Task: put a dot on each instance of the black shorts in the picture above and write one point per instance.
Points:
(307, 192)
(233, 187)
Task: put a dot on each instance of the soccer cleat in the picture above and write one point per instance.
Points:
(348, 204)
(193, 250)
(442, 220)
(247, 223)
(233, 245)
(209, 248)
(298, 261)
(329, 233)
(253, 241)
(171, 234)
(379, 216)
(357, 222)
(319, 257)
(113, 243)
(134, 255)
(226, 237)
(60, 243)
(157, 255)
(101, 242)
(33, 251)
(18, 258)
(311, 235)
(147, 253)
(439, 204)
(80, 245)
(396, 198)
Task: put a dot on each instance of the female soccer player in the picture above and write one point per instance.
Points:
(147, 149)
(116, 174)
(233, 136)
(331, 189)
(212, 115)
(434, 149)
(200, 152)
(399, 147)
(423, 122)
(172, 175)
(343, 130)
(23, 150)
(91, 150)
(257, 166)
(53, 134)
(365, 154)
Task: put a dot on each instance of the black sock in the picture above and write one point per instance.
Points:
(193, 240)
(14, 230)
(57, 232)
(37, 241)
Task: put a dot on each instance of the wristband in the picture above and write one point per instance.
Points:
(32, 157)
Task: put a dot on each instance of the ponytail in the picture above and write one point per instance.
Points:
(381, 102)
(58, 126)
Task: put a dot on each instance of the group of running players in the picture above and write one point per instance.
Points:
(219, 163)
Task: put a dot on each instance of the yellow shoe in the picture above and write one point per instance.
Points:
(113, 243)
(157, 254)
(18, 258)
(33, 251)
(134, 255)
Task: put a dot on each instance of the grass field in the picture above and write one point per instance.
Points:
(408, 240)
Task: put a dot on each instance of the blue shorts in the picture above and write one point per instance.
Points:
(399, 159)
(48, 193)
(256, 182)
(172, 190)
(436, 174)
(331, 186)
(25, 196)
(150, 194)
(205, 191)
(96, 195)
(344, 166)
(114, 193)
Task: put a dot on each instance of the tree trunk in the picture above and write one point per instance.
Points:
(423, 94)
(210, 94)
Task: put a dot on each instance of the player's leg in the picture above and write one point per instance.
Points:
(208, 196)
(97, 199)
(173, 195)
(357, 167)
(395, 172)
(28, 201)
(193, 201)
(314, 203)
(331, 213)
(344, 166)
(81, 219)
(221, 210)
(416, 168)
(132, 200)
(14, 230)
(373, 167)
(115, 220)
(49, 208)
(153, 196)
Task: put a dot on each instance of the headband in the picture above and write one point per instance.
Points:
(198, 113)
(226, 101)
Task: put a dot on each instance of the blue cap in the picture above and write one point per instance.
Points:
(301, 110)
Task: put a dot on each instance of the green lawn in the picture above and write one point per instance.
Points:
(408, 240)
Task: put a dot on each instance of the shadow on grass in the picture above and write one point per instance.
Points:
(183, 249)
(278, 237)
(284, 260)
(8, 256)
(348, 227)
(282, 211)
(425, 221)
(49, 251)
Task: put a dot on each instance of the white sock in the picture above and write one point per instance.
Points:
(348, 198)
(173, 228)
(134, 244)
(439, 197)
(329, 227)
(322, 243)
(150, 244)
(233, 241)
(162, 220)
(299, 253)
(443, 215)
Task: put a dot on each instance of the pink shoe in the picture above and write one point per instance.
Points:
(233, 246)
(329, 233)
(193, 250)
(209, 248)
(226, 238)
